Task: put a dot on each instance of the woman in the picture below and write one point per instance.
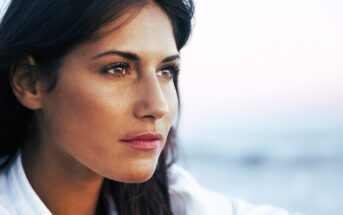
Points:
(88, 98)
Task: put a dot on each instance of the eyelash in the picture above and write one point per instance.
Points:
(124, 66)
(172, 67)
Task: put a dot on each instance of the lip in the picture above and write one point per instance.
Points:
(144, 141)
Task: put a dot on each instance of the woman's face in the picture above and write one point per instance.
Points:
(110, 91)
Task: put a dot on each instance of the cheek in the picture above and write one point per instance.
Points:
(173, 103)
(174, 100)
(82, 111)
(85, 120)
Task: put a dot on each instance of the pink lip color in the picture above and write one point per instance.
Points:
(144, 141)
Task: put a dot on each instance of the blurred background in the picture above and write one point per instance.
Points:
(262, 102)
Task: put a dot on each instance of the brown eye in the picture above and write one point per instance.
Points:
(168, 72)
(116, 69)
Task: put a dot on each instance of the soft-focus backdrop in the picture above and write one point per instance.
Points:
(262, 102)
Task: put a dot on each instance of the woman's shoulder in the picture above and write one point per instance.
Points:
(189, 197)
(242, 207)
(16, 194)
(4, 211)
(6, 206)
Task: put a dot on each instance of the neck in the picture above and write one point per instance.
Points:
(63, 184)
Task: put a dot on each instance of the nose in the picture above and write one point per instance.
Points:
(151, 101)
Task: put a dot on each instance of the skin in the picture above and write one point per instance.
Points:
(82, 121)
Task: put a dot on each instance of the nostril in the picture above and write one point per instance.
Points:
(152, 99)
(156, 111)
(154, 107)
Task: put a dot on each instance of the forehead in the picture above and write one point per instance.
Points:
(147, 31)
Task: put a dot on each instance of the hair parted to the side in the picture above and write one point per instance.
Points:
(48, 30)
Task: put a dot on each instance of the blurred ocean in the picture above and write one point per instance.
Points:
(296, 169)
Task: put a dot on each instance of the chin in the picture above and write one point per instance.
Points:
(135, 174)
(139, 178)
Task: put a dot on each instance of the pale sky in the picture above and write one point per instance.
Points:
(249, 57)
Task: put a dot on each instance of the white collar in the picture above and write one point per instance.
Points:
(22, 195)
(3, 8)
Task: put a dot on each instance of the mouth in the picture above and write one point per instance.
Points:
(144, 141)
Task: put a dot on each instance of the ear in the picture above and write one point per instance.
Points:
(26, 85)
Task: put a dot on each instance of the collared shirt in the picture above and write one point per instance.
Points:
(17, 197)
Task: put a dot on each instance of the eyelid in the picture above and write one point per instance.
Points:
(173, 68)
(171, 63)
(123, 65)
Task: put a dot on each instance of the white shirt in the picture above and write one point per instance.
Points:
(17, 197)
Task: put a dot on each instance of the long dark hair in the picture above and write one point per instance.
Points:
(48, 30)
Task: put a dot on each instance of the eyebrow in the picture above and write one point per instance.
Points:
(132, 56)
(171, 58)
